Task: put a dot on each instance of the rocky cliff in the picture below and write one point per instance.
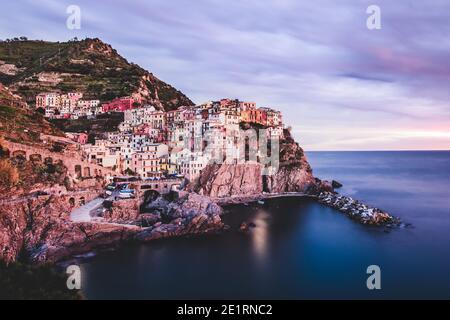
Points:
(39, 229)
(187, 215)
(228, 180)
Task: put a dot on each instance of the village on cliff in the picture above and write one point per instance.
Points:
(152, 144)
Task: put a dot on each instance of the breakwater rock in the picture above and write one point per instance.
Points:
(357, 210)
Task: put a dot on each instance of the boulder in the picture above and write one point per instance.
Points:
(336, 184)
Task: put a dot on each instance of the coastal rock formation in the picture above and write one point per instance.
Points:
(189, 204)
(38, 229)
(226, 180)
(190, 214)
(81, 238)
(246, 179)
(357, 210)
(123, 211)
(336, 184)
(291, 178)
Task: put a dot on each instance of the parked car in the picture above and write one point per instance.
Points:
(126, 193)
(122, 186)
(110, 188)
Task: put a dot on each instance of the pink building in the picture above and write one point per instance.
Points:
(120, 104)
(82, 138)
(187, 114)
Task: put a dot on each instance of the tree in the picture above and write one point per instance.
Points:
(129, 172)
(9, 176)
(4, 152)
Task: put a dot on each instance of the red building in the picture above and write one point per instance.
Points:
(254, 116)
(121, 104)
(82, 138)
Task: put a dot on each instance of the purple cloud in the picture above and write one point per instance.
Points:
(340, 85)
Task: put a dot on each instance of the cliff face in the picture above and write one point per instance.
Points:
(39, 229)
(228, 180)
(189, 214)
(295, 173)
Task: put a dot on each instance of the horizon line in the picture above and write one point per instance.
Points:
(387, 150)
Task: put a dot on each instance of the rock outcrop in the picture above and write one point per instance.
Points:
(357, 210)
(38, 229)
(123, 211)
(227, 180)
(190, 214)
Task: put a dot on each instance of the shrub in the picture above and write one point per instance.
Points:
(4, 152)
(9, 176)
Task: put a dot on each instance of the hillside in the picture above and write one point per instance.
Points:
(96, 128)
(90, 66)
(20, 124)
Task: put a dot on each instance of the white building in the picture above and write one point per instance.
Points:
(101, 153)
(192, 164)
(147, 161)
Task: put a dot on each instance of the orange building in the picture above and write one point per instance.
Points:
(254, 116)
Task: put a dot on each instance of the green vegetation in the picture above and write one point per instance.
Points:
(21, 173)
(89, 66)
(24, 126)
(9, 175)
(108, 122)
(51, 173)
(21, 281)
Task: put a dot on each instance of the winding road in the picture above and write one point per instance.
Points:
(83, 213)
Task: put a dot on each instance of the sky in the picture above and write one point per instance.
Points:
(339, 85)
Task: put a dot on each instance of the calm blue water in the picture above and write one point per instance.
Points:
(300, 249)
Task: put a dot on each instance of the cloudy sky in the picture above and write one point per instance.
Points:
(339, 85)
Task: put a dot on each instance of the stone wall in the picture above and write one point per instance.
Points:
(76, 166)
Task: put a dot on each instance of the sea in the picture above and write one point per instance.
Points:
(300, 249)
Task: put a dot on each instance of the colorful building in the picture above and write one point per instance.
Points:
(121, 104)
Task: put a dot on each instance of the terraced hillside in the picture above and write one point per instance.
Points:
(91, 66)
(20, 124)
